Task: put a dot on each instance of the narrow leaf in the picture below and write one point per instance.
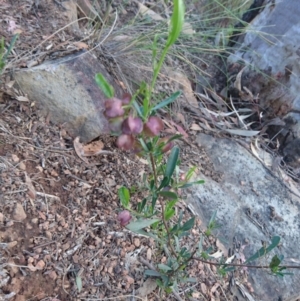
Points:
(167, 101)
(164, 267)
(188, 225)
(106, 88)
(164, 183)
(141, 205)
(169, 214)
(172, 161)
(140, 224)
(186, 185)
(152, 273)
(168, 195)
(263, 251)
(177, 21)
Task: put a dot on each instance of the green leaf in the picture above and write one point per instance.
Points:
(263, 251)
(186, 185)
(168, 195)
(188, 225)
(169, 214)
(191, 279)
(141, 205)
(212, 219)
(154, 200)
(177, 21)
(229, 269)
(172, 161)
(152, 273)
(164, 183)
(106, 88)
(78, 283)
(138, 109)
(275, 262)
(154, 51)
(166, 102)
(164, 267)
(124, 196)
(144, 145)
(140, 224)
(149, 234)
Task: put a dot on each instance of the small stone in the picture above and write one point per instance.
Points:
(19, 213)
(35, 220)
(53, 275)
(12, 244)
(40, 264)
(15, 158)
(1, 218)
(149, 254)
(203, 288)
(137, 242)
(28, 227)
(9, 224)
(129, 279)
(22, 166)
(48, 234)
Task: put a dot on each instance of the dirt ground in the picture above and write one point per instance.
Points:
(59, 237)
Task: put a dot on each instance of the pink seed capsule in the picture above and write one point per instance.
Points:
(132, 125)
(113, 108)
(153, 126)
(124, 217)
(125, 142)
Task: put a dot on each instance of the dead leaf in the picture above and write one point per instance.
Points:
(22, 98)
(79, 150)
(238, 81)
(183, 83)
(81, 45)
(244, 133)
(31, 190)
(195, 127)
(92, 149)
(181, 118)
(144, 10)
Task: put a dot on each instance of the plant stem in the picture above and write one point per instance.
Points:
(244, 265)
(153, 168)
(162, 206)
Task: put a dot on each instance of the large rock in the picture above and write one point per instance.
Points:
(271, 50)
(252, 206)
(65, 88)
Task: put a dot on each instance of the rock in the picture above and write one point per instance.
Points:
(272, 46)
(19, 213)
(66, 90)
(252, 205)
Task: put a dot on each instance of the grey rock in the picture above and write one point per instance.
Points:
(271, 51)
(248, 187)
(65, 88)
